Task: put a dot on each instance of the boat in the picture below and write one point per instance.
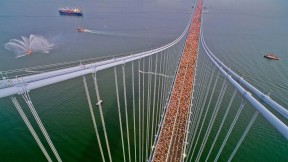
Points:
(29, 52)
(80, 29)
(72, 12)
(271, 56)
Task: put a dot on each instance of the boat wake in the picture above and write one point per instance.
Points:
(106, 33)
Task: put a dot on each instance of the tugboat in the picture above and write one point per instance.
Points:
(80, 29)
(72, 12)
(271, 57)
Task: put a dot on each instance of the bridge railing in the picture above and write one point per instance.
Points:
(221, 107)
(134, 88)
(126, 98)
(263, 97)
(81, 69)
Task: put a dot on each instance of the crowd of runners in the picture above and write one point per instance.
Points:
(173, 130)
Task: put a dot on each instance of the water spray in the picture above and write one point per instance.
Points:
(27, 46)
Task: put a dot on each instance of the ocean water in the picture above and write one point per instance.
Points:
(238, 32)
(120, 26)
(137, 25)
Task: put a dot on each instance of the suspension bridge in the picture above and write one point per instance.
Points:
(177, 102)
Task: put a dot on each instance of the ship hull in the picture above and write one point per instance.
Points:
(271, 57)
(70, 13)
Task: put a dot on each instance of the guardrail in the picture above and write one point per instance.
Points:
(14, 86)
(277, 123)
(265, 98)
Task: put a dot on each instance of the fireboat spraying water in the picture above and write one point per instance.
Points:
(27, 46)
(29, 52)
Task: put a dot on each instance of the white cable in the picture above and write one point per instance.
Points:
(28, 124)
(153, 108)
(134, 123)
(139, 111)
(158, 107)
(119, 113)
(212, 118)
(221, 125)
(99, 103)
(143, 110)
(93, 116)
(244, 135)
(148, 112)
(126, 114)
(230, 130)
(199, 107)
(198, 121)
(27, 99)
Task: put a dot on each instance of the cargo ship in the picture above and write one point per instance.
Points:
(271, 56)
(72, 12)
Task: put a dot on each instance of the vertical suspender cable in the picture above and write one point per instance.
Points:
(134, 123)
(139, 111)
(92, 116)
(164, 81)
(27, 99)
(244, 135)
(197, 113)
(212, 119)
(154, 96)
(221, 125)
(143, 110)
(175, 60)
(169, 72)
(198, 105)
(200, 84)
(161, 105)
(163, 89)
(119, 113)
(28, 124)
(148, 111)
(158, 95)
(202, 101)
(199, 119)
(126, 114)
(230, 129)
(101, 115)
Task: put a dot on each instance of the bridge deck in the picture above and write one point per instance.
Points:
(171, 139)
